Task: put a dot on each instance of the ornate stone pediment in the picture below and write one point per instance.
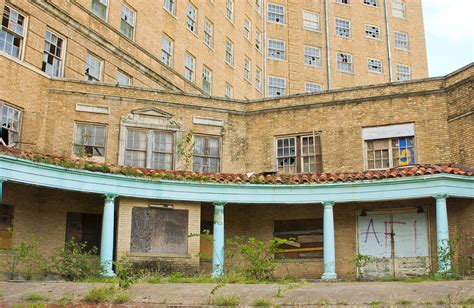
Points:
(151, 118)
(152, 112)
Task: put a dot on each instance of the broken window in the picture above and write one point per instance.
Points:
(312, 56)
(374, 65)
(170, 6)
(296, 154)
(127, 22)
(206, 154)
(84, 228)
(371, 2)
(372, 32)
(11, 32)
(276, 13)
(344, 62)
(276, 49)
(343, 1)
(159, 230)
(93, 70)
(343, 28)
(389, 153)
(99, 8)
(192, 18)
(310, 87)
(53, 55)
(276, 86)
(89, 140)
(10, 121)
(206, 80)
(149, 149)
(305, 238)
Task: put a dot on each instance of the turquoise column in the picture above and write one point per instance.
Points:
(328, 239)
(442, 234)
(1, 191)
(107, 239)
(218, 241)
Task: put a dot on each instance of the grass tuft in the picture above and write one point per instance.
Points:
(262, 303)
(122, 298)
(468, 300)
(36, 298)
(404, 302)
(228, 301)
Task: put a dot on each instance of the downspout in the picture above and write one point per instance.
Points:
(264, 81)
(389, 50)
(328, 51)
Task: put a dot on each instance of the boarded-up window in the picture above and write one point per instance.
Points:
(156, 230)
(84, 228)
(306, 236)
(6, 215)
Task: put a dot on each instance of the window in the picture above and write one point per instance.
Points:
(258, 6)
(372, 32)
(276, 13)
(229, 91)
(230, 10)
(371, 2)
(343, 28)
(170, 6)
(312, 56)
(399, 9)
(192, 18)
(89, 140)
(207, 80)
(389, 153)
(344, 62)
(84, 228)
(229, 52)
(189, 67)
(11, 32)
(305, 238)
(148, 148)
(403, 72)
(401, 40)
(206, 154)
(10, 119)
(310, 87)
(53, 54)
(93, 68)
(208, 32)
(258, 40)
(343, 1)
(298, 154)
(167, 51)
(276, 50)
(99, 8)
(159, 231)
(127, 22)
(247, 69)
(123, 79)
(247, 28)
(311, 21)
(374, 66)
(258, 79)
(276, 86)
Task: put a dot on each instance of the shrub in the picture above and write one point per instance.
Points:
(124, 273)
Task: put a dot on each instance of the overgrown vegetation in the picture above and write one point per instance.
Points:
(262, 303)
(361, 261)
(108, 294)
(185, 147)
(228, 301)
(35, 298)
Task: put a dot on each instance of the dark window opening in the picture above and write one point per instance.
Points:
(305, 236)
(84, 228)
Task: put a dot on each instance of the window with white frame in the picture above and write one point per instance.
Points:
(344, 62)
(295, 154)
(170, 6)
(189, 67)
(276, 49)
(403, 72)
(258, 6)
(276, 13)
(247, 69)
(208, 33)
(372, 32)
(10, 120)
(374, 66)
(343, 28)
(123, 79)
(127, 21)
(229, 91)
(89, 140)
(147, 148)
(258, 40)
(191, 23)
(12, 32)
(206, 80)
(229, 10)
(311, 21)
(167, 51)
(258, 79)
(312, 56)
(399, 9)
(206, 154)
(371, 2)
(229, 52)
(53, 55)
(247, 28)
(343, 1)
(93, 70)
(401, 40)
(276, 86)
(310, 87)
(99, 8)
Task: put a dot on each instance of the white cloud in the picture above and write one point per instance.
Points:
(449, 19)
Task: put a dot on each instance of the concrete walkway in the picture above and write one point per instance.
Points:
(338, 294)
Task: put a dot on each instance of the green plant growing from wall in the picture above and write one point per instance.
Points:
(80, 149)
(446, 254)
(361, 261)
(185, 147)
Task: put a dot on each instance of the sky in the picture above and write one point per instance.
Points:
(449, 28)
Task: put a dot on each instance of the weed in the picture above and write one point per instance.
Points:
(65, 299)
(342, 303)
(375, 304)
(100, 295)
(262, 303)
(280, 293)
(468, 300)
(322, 302)
(122, 298)
(404, 302)
(123, 271)
(35, 298)
(229, 301)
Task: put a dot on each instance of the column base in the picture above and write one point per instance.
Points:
(329, 276)
(109, 274)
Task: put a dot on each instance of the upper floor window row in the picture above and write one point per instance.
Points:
(12, 32)
(276, 13)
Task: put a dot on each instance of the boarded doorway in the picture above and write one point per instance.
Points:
(396, 242)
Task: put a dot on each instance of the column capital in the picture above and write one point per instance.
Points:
(440, 196)
(110, 197)
(219, 203)
(328, 203)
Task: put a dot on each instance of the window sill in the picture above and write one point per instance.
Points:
(158, 255)
(276, 23)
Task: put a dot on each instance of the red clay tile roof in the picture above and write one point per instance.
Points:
(262, 178)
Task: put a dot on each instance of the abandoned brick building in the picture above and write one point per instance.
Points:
(380, 170)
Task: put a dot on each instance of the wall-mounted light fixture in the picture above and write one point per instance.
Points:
(363, 213)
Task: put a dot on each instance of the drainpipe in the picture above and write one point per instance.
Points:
(264, 15)
(328, 51)
(389, 51)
